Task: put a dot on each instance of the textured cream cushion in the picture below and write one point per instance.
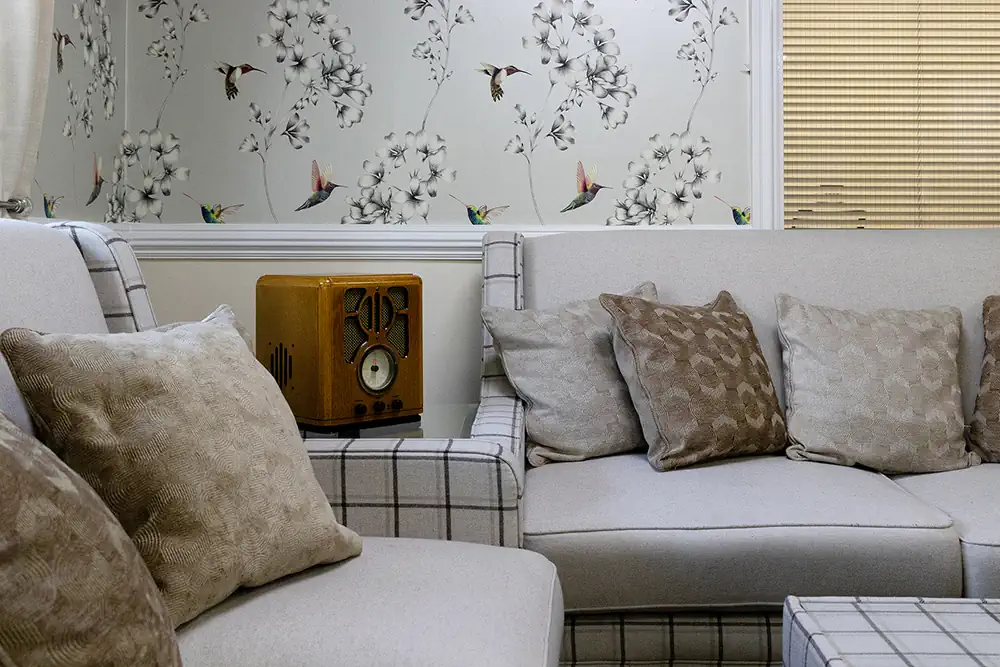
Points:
(562, 365)
(739, 532)
(876, 389)
(402, 603)
(73, 589)
(969, 497)
(697, 379)
(985, 431)
(191, 444)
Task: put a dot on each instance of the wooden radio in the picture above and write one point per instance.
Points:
(345, 350)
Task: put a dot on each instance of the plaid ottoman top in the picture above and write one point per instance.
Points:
(890, 632)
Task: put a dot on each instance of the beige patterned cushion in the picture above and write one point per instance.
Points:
(562, 366)
(191, 444)
(73, 588)
(698, 379)
(877, 389)
(985, 431)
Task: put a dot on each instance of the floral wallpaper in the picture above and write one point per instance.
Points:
(590, 112)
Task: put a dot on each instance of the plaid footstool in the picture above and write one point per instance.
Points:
(890, 632)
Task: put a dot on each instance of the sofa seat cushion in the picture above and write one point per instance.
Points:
(401, 602)
(969, 498)
(743, 533)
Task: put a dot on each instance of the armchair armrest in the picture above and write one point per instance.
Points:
(500, 420)
(454, 489)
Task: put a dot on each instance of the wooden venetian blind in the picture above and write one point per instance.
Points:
(892, 113)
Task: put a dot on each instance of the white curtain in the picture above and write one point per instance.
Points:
(25, 53)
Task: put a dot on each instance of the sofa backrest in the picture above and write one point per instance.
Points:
(45, 286)
(856, 269)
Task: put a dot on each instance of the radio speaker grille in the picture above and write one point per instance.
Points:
(352, 299)
(281, 365)
(399, 297)
(398, 337)
(354, 338)
(365, 314)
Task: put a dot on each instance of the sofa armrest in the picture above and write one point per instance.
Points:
(500, 420)
(115, 272)
(454, 489)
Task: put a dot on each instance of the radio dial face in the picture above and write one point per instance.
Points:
(377, 371)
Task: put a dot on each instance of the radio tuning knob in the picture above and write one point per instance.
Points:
(379, 406)
(360, 409)
(397, 404)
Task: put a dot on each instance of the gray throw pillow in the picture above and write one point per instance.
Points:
(562, 365)
(878, 389)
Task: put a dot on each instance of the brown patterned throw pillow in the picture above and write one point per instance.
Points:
(698, 380)
(191, 444)
(73, 588)
(985, 432)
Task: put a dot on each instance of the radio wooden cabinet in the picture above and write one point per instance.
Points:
(345, 349)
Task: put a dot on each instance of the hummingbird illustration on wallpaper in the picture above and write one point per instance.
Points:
(322, 186)
(98, 181)
(233, 74)
(62, 41)
(586, 188)
(481, 215)
(497, 76)
(50, 203)
(740, 217)
(214, 215)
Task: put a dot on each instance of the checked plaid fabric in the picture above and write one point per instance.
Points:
(891, 632)
(115, 273)
(682, 640)
(463, 490)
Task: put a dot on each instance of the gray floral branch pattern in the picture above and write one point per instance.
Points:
(582, 57)
(147, 166)
(328, 74)
(95, 48)
(409, 168)
(684, 156)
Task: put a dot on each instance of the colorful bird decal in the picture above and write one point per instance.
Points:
(233, 74)
(214, 215)
(497, 76)
(740, 217)
(50, 204)
(322, 185)
(481, 215)
(98, 181)
(586, 188)
(62, 41)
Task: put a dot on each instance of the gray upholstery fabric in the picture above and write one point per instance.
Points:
(402, 602)
(861, 270)
(562, 364)
(735, 533)
(44, 285)
(969, 497)
(878, 389)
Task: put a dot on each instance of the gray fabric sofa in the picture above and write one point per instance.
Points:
(404, 601)
(691, 566)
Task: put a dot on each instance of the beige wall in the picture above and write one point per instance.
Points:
(190, 289)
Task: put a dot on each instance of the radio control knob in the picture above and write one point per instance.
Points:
(397, 404)
(379, 406)
(360, 409)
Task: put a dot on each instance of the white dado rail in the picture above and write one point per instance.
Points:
(459, 243)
